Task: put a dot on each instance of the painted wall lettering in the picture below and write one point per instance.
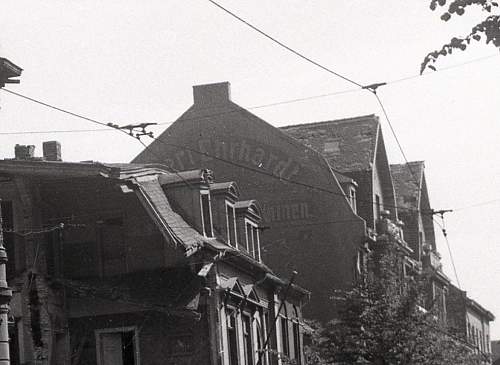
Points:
(240, 151)
(286, 212)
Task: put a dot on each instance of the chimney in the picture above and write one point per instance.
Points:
(52, 151)
(212, 94)
(24, 152)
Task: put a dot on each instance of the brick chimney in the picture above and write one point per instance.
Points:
(24, 152)
(52, 151)
(212, 94)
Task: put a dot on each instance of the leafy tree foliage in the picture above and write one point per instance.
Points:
(487, 30)
(382, 321)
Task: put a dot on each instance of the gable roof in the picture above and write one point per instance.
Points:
(347, 144)
(408, 183)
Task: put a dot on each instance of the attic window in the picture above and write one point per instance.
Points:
(206, 214)
(231, 224)
(252, 239)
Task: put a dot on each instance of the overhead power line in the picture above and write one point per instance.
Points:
(241, 166)
(57, 108)
(281, 44)
(450, 252)
(260, 171)
(268, 105)
(416, 180)
(371, 88)
(147, 147)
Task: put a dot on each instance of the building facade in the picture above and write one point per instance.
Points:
(328, 192)
(313, 226)
(468, 320)
(415, 212)
(119, 264)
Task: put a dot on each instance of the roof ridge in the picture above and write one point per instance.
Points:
(367, 117)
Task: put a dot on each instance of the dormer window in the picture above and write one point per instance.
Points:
(252, 239)
(247, 220)
(231, 224)
(206, 214)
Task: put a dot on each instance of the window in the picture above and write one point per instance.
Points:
(352, 198)
(247, 338)
(206, 214)
(265, 329)
(117, 346)
(258, 351)
(252, 240)
(284, 336)
(296, 338)
(232, 336)
(256, 243)
(231, 225)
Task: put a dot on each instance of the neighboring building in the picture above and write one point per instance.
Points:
(131, 264)
(327, 189)
(469, 320)
(414, 209)
(354, 148)
(314, 226)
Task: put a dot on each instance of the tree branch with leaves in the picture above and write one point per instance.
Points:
(382, 320)
(488, 30)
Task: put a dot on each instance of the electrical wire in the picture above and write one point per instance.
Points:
(57, 108)
(417, 76)
(282, 102)
(146, 147)
(282, 45)
(480, 204)
(397, 140)
(445, 235)
(160, 160)
(280, 178)
(369, 88)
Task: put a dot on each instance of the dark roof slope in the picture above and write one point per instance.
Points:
(148, 181)
(347, 144)
(407, 183)
(168, 220)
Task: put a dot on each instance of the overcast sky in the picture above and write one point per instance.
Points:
(135, 61)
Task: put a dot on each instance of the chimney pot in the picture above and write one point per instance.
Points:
(52, 151)
(212, 94)
(24, 152)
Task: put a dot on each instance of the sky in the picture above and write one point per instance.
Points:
(135, 61)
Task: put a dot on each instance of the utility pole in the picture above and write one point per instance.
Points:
(8, 73)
